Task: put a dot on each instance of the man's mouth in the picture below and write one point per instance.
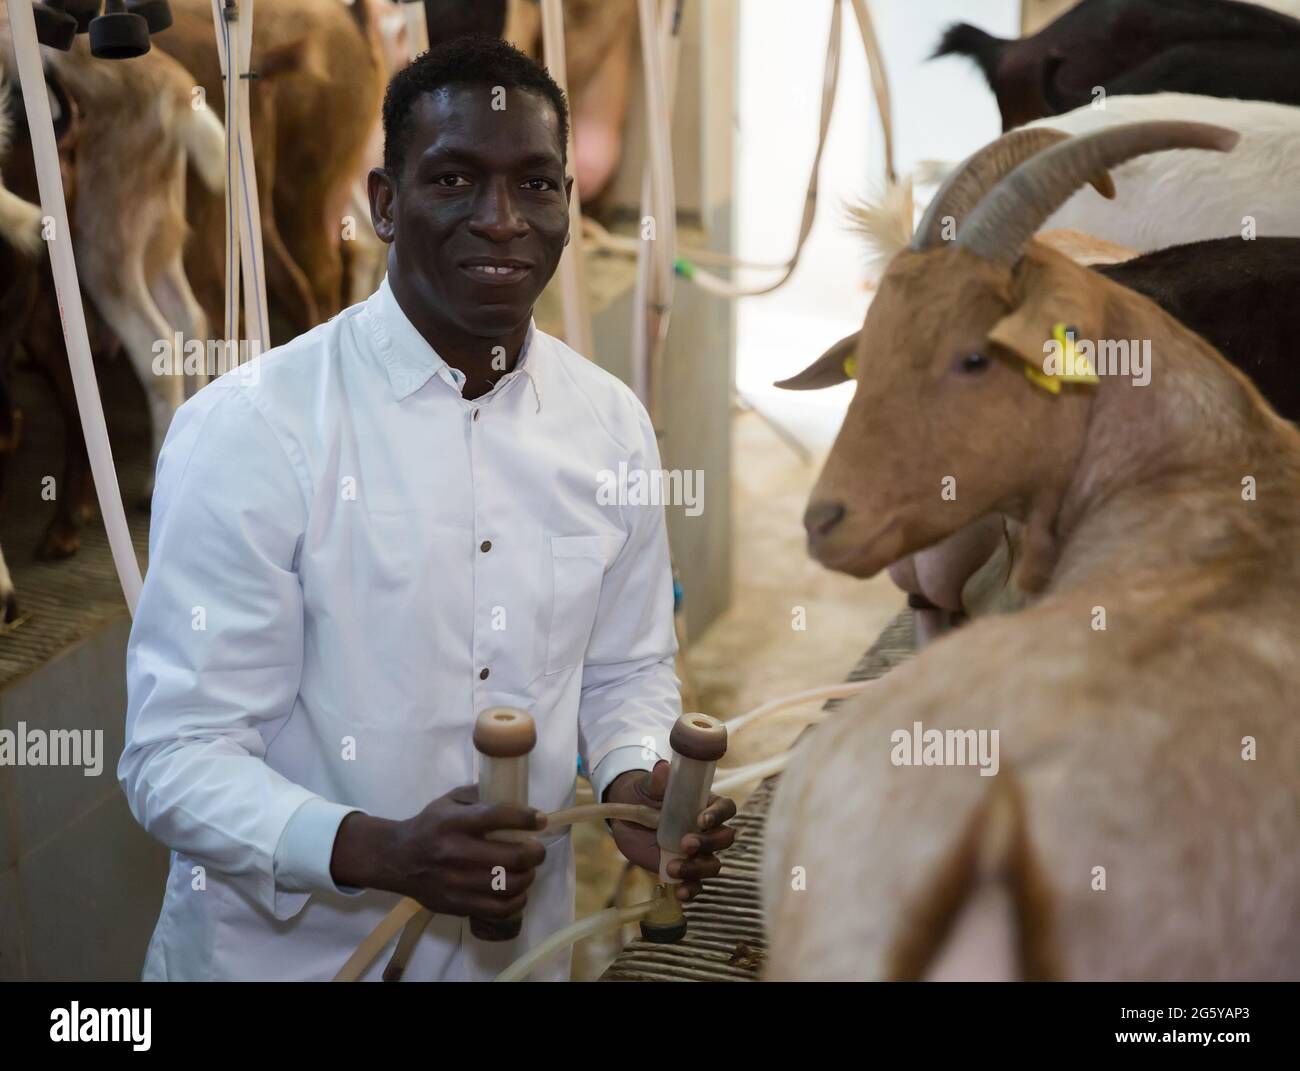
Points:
(495, 270)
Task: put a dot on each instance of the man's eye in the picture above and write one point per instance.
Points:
(450, 181)
(540, 184)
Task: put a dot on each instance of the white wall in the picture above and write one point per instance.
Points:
(942, 110)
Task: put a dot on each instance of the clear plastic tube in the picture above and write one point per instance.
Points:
(812, 695)
(591, 812)
(609, 919)
(375, 940)
(755, 771)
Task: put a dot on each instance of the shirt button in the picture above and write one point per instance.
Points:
(483, 673)
(485, 546)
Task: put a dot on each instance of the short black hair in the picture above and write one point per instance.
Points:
(474, 59)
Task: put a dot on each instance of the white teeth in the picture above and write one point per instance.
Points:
(489, 269)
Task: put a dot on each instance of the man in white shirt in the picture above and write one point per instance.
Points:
(377, 531)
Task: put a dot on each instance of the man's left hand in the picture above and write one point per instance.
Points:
(700, 849)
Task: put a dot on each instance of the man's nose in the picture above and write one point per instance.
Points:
(496, 216)
(820, 517)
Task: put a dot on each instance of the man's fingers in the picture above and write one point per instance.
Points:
(688, 890)
(708, 843)
(658, 781)
(707, 866)
(720, 809)
(478, 853)
(486, 817)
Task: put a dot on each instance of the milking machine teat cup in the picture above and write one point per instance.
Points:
(698, 741)
(504, 737)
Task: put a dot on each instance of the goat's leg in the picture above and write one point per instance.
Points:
(286, 282)
(176, 301)
(312, 234)
(134, 317)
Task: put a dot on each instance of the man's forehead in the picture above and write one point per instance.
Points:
(471, 118)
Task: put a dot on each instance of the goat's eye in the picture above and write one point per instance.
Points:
(972, 362)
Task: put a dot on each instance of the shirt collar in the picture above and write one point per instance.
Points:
(409, 359)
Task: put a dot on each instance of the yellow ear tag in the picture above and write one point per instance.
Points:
(851, 367)
(1077, 367)
(1049, 383)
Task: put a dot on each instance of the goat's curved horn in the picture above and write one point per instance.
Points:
(980, 172)
(1019, 204)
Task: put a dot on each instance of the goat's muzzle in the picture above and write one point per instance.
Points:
(820, 517)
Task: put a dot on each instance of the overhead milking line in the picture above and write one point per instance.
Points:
(688, 264)
(573, 283)
(233, 23)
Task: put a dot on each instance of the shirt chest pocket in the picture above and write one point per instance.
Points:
(578, 565)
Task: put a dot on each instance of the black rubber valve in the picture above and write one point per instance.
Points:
(81, 10)
(118, 34)
(54, 28)
(157, 13)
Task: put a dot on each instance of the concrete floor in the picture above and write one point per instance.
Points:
(753, 653)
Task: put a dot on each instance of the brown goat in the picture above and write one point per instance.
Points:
(29, 317)
(1145, 788)
(309, 137)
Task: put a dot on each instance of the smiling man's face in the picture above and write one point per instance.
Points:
(479, 215)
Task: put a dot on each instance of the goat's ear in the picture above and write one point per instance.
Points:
(834, 366)
(1049, 302)
(1023, 332)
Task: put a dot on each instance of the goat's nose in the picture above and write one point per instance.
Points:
(820, 517)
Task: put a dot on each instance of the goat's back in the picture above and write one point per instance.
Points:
(1129, 824)
(1185, 195)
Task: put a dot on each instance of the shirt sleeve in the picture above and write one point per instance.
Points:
(630, 691)
(620, 761)
(306, 848)
(214, 658)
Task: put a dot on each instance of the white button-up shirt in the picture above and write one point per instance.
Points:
(348, 561)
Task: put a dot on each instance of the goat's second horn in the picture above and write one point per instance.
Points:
(1024, 200)
(976, 175)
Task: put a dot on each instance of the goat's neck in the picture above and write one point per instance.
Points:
(1156, 458)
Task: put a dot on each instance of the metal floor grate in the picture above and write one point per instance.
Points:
(724, 939)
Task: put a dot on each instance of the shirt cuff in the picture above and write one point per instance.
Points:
(620, 761)
(302, 858)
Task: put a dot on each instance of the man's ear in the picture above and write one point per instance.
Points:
(834, 366)
(382, 192)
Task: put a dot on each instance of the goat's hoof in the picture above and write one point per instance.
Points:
(61, 540)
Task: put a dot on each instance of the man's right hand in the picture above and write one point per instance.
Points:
(442, 857)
